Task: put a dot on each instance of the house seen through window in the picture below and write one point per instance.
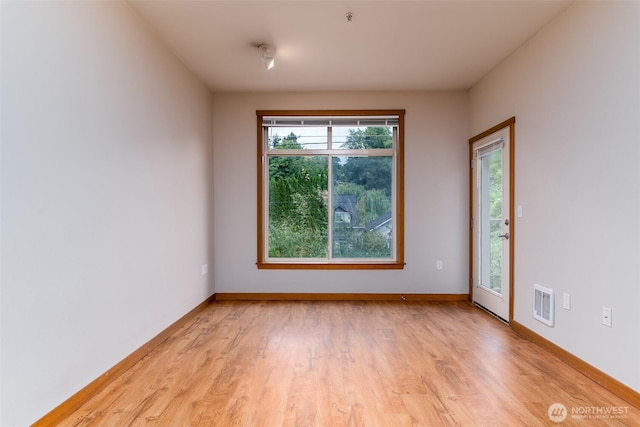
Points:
(330, 189)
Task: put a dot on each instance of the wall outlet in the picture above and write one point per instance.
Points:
(606, 316)
(205, 269)
(566, 301)
(439, 264)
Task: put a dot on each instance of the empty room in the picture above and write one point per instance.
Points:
(319, 213)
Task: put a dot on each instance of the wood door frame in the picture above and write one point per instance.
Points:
(510, 123)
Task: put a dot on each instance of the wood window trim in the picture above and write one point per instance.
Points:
(396, 264)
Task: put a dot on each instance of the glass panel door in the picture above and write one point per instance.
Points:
(491, 243)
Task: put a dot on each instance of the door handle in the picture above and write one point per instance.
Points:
(505, 235)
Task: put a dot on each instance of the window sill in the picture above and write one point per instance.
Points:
(391, 265)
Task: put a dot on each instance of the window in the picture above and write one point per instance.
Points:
(330, 189)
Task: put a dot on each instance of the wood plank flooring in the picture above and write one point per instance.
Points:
(338, 363)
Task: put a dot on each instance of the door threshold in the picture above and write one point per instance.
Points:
(483, 308)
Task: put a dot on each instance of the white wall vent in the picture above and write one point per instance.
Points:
(543, 306)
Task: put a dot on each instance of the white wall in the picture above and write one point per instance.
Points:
(106, 196)
(575, 91)
(436, 201)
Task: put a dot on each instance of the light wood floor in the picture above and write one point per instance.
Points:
(319, 363)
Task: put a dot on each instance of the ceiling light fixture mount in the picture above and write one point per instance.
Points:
(349, 16)
(267, 55)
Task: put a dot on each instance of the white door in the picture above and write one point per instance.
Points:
(491, 223)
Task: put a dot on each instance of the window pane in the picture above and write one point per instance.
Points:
(357, 138)
(493, 164)
(288, 138)
(362, 206)
(298, 214)
(312, 161)
(491, 263)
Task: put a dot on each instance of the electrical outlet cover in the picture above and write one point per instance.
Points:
(606, 316)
